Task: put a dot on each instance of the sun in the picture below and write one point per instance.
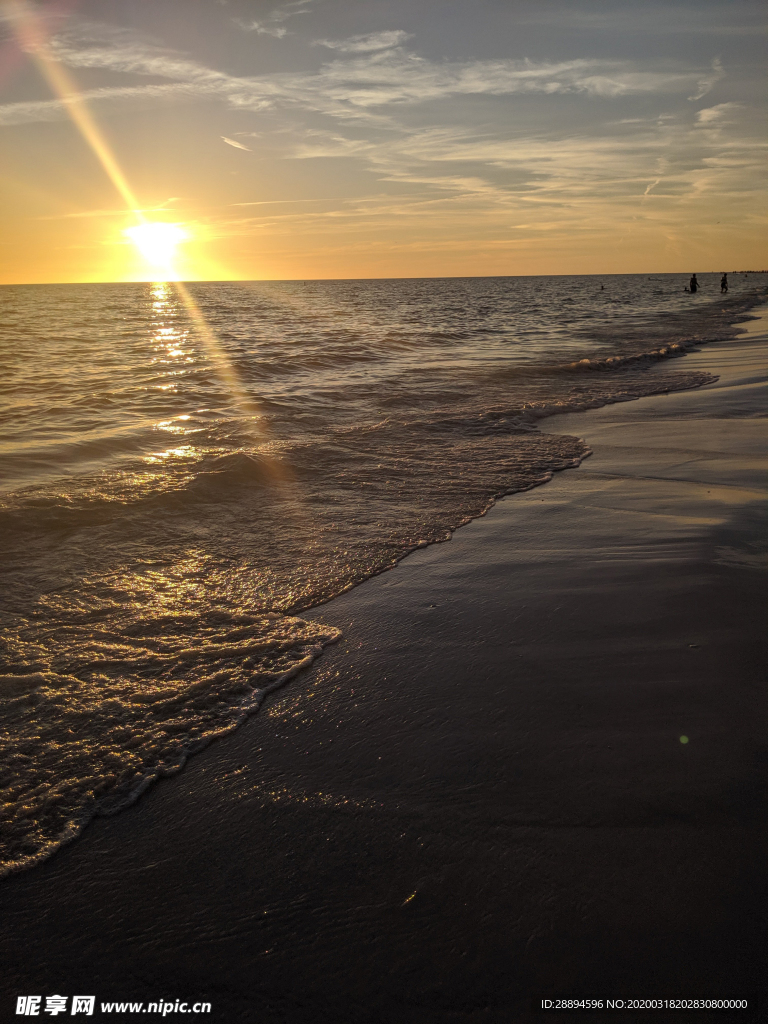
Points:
(157, 242)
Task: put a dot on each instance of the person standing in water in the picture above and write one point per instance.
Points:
(723, 284)
(694, 285)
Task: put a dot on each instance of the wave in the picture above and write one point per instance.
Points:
(122, 705)
(151, 606)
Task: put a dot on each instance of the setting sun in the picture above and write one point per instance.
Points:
(157, 242)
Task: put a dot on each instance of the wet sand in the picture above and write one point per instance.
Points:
(481, 795)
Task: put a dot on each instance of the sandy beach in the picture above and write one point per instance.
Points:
(533, 766)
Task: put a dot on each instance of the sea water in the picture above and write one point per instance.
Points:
(186, 468)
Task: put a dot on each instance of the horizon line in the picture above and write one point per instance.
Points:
(420, 277)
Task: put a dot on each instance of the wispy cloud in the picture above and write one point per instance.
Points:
(273, 24)
(495, 171)
(237, 145)
(397, 77)
(353, 85)
(717, 115)
(665, 18)
(54, 110)
(705, 84)
(665, 163)
(88, 45)
(318, 143)
(366, 43)
(262, 28)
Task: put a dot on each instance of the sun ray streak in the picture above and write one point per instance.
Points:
(32, 36)
(248, 406)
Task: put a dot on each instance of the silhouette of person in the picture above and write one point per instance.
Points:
(694, 285)
(723, 283)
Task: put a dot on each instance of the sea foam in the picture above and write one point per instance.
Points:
(160, 535)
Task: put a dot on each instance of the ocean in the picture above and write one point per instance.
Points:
(185, 469)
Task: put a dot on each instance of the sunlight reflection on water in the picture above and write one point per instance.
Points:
(185, 471)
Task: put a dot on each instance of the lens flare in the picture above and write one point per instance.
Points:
(156, 241)
(32, 35)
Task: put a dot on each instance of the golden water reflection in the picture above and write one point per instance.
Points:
(186, 451)
(170, 341)
(173, 352)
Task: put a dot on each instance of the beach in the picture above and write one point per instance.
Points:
(532, 766)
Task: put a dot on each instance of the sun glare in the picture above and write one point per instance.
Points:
(157, 242)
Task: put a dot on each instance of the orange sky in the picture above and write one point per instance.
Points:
(310, 143)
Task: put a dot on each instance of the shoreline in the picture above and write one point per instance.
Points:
(521, 472)
(480, 792)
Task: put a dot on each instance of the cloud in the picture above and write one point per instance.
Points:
(396, 77)
(273, 25)
(706, 83)
(663, 19)
(237, 145)
(359, 84)
(102, 47)
(367, 43)
(657, 164)
(330, 144)
(525, 184)
(278, 31)
(716, 116)
(54, 110)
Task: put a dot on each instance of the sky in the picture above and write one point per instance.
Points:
(379, 138)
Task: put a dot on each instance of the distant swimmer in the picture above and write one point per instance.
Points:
(602, 287)
(723, 283)
(694, 285)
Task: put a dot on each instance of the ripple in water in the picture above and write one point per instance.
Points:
(174, 496)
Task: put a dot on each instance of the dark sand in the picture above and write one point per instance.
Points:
(480, 794)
